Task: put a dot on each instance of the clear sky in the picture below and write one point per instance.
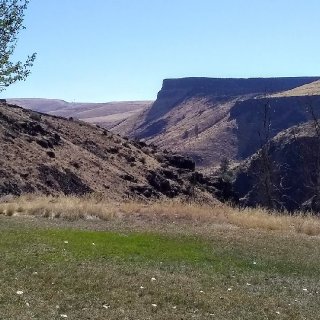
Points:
(108, 50)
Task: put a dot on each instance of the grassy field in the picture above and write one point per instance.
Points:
(140, 267)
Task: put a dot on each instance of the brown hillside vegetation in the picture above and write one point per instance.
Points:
(212, 119)
(52, 155)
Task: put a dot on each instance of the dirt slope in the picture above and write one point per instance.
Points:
(51, 155)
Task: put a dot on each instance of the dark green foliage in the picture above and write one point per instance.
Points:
(225, 171)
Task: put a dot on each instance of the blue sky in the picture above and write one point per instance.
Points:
(108, 50)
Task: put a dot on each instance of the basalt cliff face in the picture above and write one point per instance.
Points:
(210, 119)
(51, 155)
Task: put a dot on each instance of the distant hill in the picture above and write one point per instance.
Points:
(103, 114)
(52, 155)
(211, 119)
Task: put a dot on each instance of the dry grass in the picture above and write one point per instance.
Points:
(310, 89)
(93, 207)
(54, 207)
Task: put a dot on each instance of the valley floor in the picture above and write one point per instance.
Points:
(142, 267)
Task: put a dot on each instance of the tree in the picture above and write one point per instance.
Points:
(268, 177)
(224, 171)
(196, 130)
(11, 22)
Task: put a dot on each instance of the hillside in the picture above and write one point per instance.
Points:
(52, 155)
(285, 174)
(210, 119)
(103, 114)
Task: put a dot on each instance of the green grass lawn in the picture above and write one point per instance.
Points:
(152, 273)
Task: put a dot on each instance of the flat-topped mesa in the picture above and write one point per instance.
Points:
(231, 86)
(175, 91)
(211, 119)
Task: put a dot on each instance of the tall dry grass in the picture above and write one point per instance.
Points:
(90, 207)
(67, 207)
